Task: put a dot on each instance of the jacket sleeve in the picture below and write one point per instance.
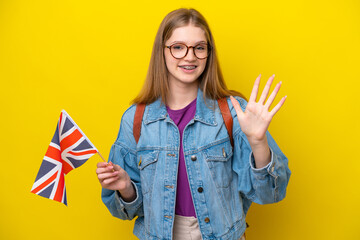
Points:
(123, 153)
(260, 185)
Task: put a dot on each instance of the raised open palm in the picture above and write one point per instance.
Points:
(256, 118)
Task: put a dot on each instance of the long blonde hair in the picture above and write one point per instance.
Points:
(156, 84)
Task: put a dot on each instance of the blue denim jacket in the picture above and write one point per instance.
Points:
(223, 180)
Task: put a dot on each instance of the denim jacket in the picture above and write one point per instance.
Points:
(223, 180)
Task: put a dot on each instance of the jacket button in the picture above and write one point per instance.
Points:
(200, 189)
(193, 158)
(207, 220)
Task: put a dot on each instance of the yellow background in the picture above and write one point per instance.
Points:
(91, 57)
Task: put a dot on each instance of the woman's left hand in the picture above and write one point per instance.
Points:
(256, 118)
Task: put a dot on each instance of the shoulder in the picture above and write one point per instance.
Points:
(126, 125)
(129, 114)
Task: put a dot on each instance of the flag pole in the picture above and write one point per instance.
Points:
(101, 156)
(104, 159)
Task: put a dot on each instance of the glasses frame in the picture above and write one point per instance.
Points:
(187, 50)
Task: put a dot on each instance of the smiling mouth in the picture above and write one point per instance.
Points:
(188, 67)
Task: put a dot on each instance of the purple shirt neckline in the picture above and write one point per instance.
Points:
(184, 204)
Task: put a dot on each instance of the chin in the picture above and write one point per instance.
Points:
(189, 80)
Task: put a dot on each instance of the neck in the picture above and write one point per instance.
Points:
(180, 95)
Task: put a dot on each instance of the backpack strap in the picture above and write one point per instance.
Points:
(226, 114)
(224, 109)
(139, 113)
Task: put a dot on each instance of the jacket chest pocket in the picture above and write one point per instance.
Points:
(218, 158)
(147, 165)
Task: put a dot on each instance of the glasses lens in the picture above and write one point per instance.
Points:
(201, 51)
(178, 50)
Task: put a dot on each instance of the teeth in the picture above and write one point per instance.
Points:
(188, 67)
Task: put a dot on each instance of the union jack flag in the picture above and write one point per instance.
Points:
(68, 149)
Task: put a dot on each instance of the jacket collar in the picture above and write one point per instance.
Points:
(157, 111)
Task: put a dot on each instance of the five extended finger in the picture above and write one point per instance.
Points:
(272, 96)
(237, 107)
(255, 90)
(278, 106)
(266, 90)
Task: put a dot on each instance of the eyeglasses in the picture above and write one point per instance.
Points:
(180, 50)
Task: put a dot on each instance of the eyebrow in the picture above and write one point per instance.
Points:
(199, 42)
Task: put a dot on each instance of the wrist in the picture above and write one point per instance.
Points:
(258, 143)
(261, 152)
(128, 194)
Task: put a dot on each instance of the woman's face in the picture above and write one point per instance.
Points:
(188, 69)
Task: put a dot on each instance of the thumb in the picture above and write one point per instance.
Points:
(117, 167)
(237, 107)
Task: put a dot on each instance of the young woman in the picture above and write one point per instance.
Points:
(186, 178)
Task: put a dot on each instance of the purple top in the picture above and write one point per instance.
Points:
(184, 204)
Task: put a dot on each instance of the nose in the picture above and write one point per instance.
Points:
(190, 56)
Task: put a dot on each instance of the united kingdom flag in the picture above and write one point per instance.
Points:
(68, 149)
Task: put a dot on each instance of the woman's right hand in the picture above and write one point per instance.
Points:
(113, 177)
